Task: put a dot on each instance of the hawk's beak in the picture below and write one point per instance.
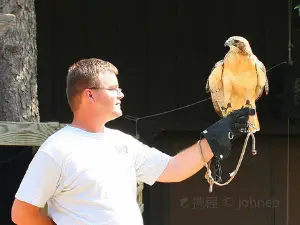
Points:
(227, 43)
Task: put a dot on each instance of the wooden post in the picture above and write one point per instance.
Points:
(140, 189)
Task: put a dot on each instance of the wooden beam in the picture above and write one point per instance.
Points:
(140, 188)
(26, 133)
(6, 21)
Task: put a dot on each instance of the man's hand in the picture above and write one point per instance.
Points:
(216, 143)
(221, 134)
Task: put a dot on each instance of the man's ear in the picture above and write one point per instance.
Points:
(91, 97)
(89, 94)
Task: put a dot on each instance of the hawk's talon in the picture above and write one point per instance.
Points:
(247, 105)
(226, 111)
(229, 110)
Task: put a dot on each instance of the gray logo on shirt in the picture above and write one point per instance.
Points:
(121, 149)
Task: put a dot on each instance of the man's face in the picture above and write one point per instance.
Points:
(106, 100)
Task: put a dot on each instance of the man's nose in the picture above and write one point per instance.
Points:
(120, 95)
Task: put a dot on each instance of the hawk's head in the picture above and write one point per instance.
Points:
(238, 43)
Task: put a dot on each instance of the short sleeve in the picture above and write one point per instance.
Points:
(149, 162)
(40, 180)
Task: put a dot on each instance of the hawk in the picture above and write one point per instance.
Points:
(238, 80)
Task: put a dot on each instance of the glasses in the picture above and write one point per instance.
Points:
(116, 90)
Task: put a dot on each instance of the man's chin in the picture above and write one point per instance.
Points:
(117, 113)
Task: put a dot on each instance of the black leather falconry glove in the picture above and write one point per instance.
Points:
(221, 134)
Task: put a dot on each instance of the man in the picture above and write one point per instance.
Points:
(87, 173)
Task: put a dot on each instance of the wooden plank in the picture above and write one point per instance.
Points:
(6, 21)
(26, 133)
(140, 188)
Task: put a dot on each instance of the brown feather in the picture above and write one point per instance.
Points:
(214, 85)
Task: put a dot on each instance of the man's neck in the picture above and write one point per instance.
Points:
(89, 124)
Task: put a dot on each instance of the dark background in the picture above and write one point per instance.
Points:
(164, 51)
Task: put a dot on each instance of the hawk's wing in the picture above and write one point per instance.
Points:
(214, 85)
(262, 80)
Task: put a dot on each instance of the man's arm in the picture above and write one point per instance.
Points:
(216, 142)
(26, 214)
(40, 182)
(186, 163)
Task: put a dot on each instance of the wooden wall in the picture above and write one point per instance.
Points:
(164, 51)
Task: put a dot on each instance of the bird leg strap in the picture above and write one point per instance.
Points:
(217, 166)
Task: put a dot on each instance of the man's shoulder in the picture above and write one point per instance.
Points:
(126, 139)
(58, 144)
(60, 137)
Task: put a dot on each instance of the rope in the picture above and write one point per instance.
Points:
(169, 111)
(288, 175)
(290, 45)
(137, 119)
(208, 175)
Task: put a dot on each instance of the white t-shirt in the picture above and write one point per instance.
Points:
(91, 178)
